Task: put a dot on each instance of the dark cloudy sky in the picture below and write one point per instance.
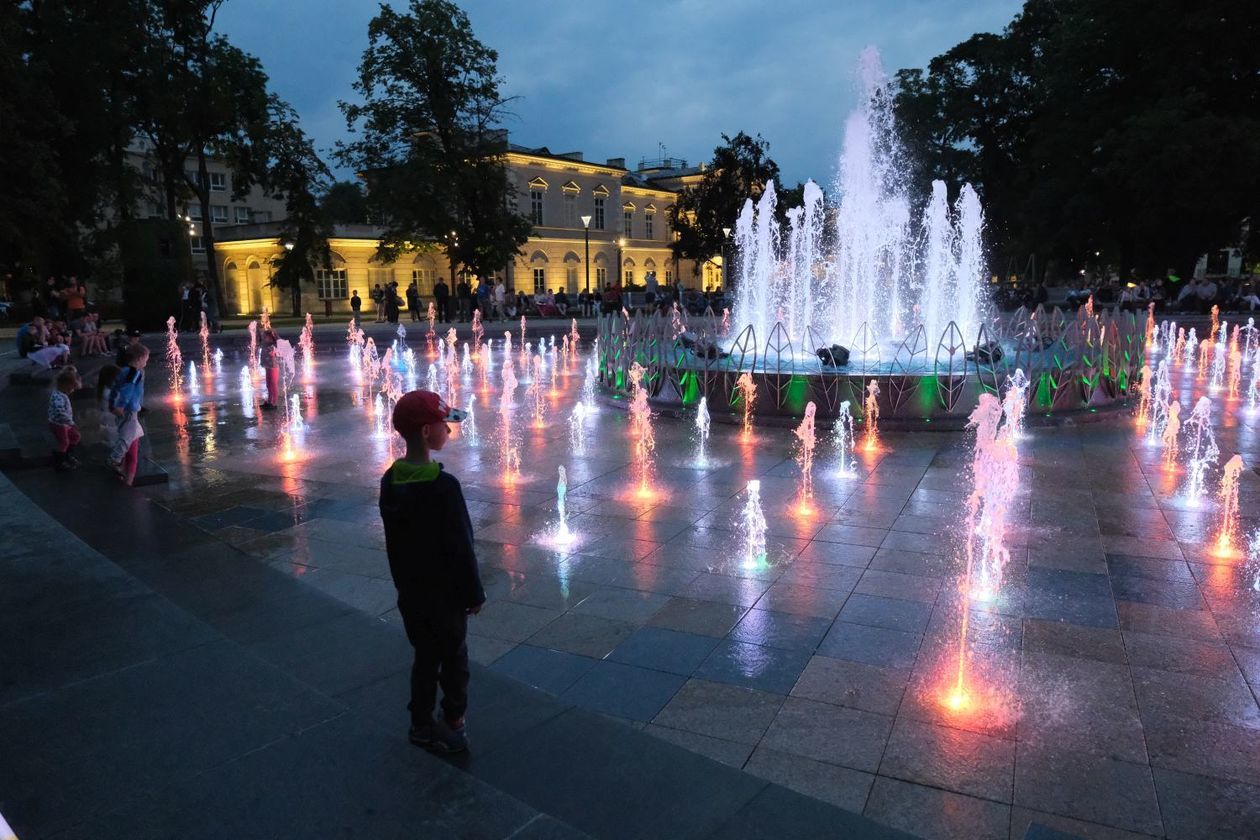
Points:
(614, 79)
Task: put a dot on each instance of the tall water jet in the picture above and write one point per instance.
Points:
(1179, 349)
(843, 438)
(477, 332)
(747, 389)
(753, 526)
(870, 417)
(588, 386)
(805, 458)
(703, 422)
(1233, 379)
(1228, 494)
(1144, 387)
(218, 361)
(1201, 450)
(574, 336)
(1192, 344)
(431, 336)
(194, 387)
(174, 358)
(253, 348)
(641, 431)
(995, 481)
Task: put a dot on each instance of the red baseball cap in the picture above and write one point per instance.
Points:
(419, 408)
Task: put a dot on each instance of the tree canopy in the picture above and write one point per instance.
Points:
(1127, 128)
(429, 144)
(740, 169)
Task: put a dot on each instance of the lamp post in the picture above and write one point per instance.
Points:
(586, 232)
(621, 243)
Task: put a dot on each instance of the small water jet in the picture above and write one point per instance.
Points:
(870, 417)
(431, 336)
(842, 436)
(641, 431)
(1170, 435)
(204, 332)
(509, 452)
(747, 389)
(535, 397)
(174, 358)
(306, 342)
(703, 422)
(577, 429)
(805, 459)
(562, 533)
(1228, 495)
(753, 526)
(1015, 401)
(469, 427)
(1201, 450)
(194, 387)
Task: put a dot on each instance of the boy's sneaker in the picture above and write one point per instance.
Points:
(439, 738)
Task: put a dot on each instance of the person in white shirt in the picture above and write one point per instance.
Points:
(500, 295)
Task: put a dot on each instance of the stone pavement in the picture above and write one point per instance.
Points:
(156, 682)
(1114, 674)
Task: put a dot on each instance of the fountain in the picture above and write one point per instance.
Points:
(465, 363)
(1151, 343)
(477, 332)
(879, 272)
(641, 431)
(870, 417)
(574, 337)
(805, 459)
(1160, 396)
(844, 440)
(380, 422)
(702, 431)
(174, 358)
(1234, 377)
(1202, 450)
(1192, 343)
(588, 386)
(194, 387)
(1228, 494)
(747, 389)
(218, 361)
(431, 336)
(1179, 349)
(1144, 387)
(253, 348)
(753, 526)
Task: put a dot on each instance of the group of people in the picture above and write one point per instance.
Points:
(1201, 294)
(48, 342)
(194, 299)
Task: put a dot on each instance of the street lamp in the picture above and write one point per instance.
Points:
(288, 246)
(726, 237)
(586, 231)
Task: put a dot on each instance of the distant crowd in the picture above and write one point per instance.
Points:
(1169, 294)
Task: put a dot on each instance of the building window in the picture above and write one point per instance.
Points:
(669, 277)
(647, 224)
(628, 222)
(242, 215)
(540, 280)
(218, 181)
(331, 283)
(424, 278)
(262, 216)
(570, 210)
(598, 222)
(218, 213)
(198, 245)
(570, 279)
(536, 206)
(155, 210)
(601, 277)
(193, 211)
(628, 280)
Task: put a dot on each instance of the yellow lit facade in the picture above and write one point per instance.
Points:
(629, 237)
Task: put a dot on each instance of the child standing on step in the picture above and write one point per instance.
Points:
(125, 400)
(61, 418)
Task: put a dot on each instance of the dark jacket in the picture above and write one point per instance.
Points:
(429, 538)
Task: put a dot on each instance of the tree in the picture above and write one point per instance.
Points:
(345, 204)
(1082, 138)
(740, 170)
(296, 172)
(430, 146)
(201, 96)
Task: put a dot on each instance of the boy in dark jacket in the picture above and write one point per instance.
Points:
(429, 540)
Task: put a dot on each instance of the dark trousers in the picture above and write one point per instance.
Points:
(444, 310)
(464, 311)
(439, 636)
